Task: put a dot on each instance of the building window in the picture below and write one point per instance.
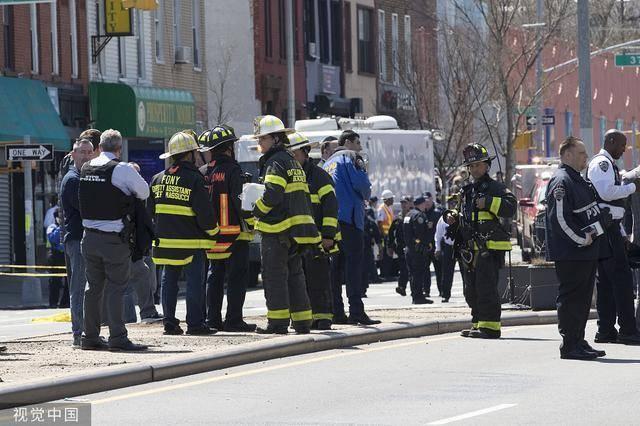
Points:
(336, 33)
(33, 29)
(282, 23)
(382, 43)
(394, 49)
(347, 37)
(140, 43)
(55, 60)
(7, 36)
(176, 24)
(323, 23)
(309, 28)
(268, 46)
(408, 53)
(195, 32)
(158, 23)
(74, 35)
(122, 57)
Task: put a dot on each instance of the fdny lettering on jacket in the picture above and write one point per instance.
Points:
(169, 187)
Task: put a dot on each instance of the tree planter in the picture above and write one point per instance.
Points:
(544, 286)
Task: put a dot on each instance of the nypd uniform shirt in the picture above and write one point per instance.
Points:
(603, 174)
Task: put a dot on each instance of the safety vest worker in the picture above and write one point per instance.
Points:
(224, 179)
(325, 208)
(284, 217)
(185, 225)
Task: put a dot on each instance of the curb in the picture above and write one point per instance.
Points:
(110, 378)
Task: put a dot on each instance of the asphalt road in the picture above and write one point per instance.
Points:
(519, 379)
(16, 324)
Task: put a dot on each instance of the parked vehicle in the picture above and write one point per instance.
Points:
(532, 218)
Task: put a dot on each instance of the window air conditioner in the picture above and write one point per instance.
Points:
(183, 55)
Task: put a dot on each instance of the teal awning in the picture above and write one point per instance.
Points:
(25, 109)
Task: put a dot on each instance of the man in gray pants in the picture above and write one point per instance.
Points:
(106, 188)
(142, 285)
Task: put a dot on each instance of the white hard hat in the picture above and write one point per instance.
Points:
(179, 143)
(386, 194)
(268, 124)
(297, 140)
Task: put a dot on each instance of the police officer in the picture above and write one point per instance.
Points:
(415, 232)
(432, 214)
(347, 169)
(482, 241)
(325, 212)
(397, 244)
(571, 217)
(614, 280)
(185, 225)
(230, 256)
(105, 193)
(284, 217)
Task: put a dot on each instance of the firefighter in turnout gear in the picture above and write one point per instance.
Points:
(284, 217)
(230, 256)
(415, 232)
(185, 224)
(325, 212)
(481, 240)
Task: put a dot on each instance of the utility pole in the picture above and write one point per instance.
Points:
(291, 80)
(584, 74)
(539, 138)
(31, 288)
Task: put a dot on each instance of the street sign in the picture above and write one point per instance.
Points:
(548, 120)
(628, 60)
(531, 120)
(42, 152)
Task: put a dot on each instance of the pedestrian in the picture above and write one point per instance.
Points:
(572, 217)
(284, 218)
(415, 231)
(49, 216)
(107, 187)
(317, 268)
(55, 257)
(614, 280)
(397, 243)
(185, 226)
(384, 218)
(328, 146)
(483, 241)
(432, 214)
(229, 258)
(353, 187)
(69, 198)
(445, 252)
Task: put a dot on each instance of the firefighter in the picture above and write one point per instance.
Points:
(284, 218)
(230, 256)
(481, 240)
(415, 232)
(325, 211)
(185, 225)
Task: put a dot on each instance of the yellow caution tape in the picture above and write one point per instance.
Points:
(63, 317)
(32, 267)
(26, 274)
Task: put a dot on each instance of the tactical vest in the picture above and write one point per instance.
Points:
(99, 199)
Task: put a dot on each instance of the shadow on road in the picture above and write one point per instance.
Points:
(618, 361)
(532, 339)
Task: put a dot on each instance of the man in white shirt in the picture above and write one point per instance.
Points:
(445, 251)
(106, 188)
(614, 281)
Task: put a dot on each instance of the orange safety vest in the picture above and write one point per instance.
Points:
(388, 219)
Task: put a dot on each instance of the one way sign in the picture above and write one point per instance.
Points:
(42, 152)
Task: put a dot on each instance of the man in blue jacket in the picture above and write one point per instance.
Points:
(347, 169)
(573, 221)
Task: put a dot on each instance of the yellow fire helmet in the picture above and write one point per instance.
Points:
(268, 124)
(297, 140)
(179, 143)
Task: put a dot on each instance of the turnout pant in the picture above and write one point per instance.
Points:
(481, 290)
(615, 288)
(236, 269)
(284, 282)
(574, 300)
(108, 264)
(418, 268)
(317, 271)
(447, 268)
(352, 244)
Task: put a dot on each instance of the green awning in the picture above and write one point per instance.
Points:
(138, 111)
(25, 109)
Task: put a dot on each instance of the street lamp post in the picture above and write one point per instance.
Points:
(584, 74)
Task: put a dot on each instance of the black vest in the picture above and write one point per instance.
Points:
(99, 199)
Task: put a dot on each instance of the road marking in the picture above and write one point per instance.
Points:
(420, 341)
(472, 414)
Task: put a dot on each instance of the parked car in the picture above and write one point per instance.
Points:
(532, 218)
